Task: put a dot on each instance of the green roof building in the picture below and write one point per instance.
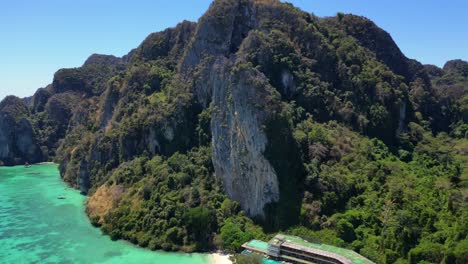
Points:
(292, 249)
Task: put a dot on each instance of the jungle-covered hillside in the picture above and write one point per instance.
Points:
(256, 119)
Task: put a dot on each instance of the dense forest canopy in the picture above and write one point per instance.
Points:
(256, 119)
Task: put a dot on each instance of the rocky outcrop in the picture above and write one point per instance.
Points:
(451, 85)
(169, 43)
(59, 109)
(433, 71)
(106, 60)
(17, 137)
(89, 79)
(459, 67)
(109, 102)
(239, 103)
(241, 78)
(40, 99)
(218, 35)
(238, 140)
(243, 33)
(68, 80)
(83, 178)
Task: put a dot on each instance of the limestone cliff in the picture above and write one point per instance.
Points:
(238, 117)
(239, 141)
(238, 81)
(17, 136)
(257, 110)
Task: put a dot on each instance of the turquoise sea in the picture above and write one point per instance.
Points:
(36, 227)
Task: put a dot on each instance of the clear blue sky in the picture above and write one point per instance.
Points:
(39, 37)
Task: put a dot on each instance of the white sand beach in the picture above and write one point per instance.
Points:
(219, 258)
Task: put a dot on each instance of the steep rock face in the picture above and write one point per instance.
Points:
(242, 78)
(240, 108)
(68, 80)
(122, 133)
(168, 43)
(215, 36)
(257, 102)
(40, 99)
(6, 143)
(76, 164)
(27, 100)
(59, 110)
(17, 137)
(246, 30)
(25, 142)
(89, 79)
(109, 102)
(238, 140)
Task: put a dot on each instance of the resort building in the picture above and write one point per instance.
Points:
(292, 249)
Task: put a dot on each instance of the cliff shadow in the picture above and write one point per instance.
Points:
(283, 153)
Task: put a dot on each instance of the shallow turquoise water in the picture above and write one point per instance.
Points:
(36, 227)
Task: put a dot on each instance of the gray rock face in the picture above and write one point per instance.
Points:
(109, 102)
(17, 139)
(83, 177)
(40, 99)
(5, 137)
(287, 79)
(152, 141)
(238, 139)
(238, 115)
(24, 140)
(17, 144)
(220, 34)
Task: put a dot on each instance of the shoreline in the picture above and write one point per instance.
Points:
(39, 163)
(219, 258)
(91, 245)
(215, 257)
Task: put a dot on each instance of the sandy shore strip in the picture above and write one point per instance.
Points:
(219, 258)
(45, 163)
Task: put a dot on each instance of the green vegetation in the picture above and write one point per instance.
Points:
(246, 259)
(360, 195)
(175, 204)
(451, 86)
(14, 108)
(370, 148)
